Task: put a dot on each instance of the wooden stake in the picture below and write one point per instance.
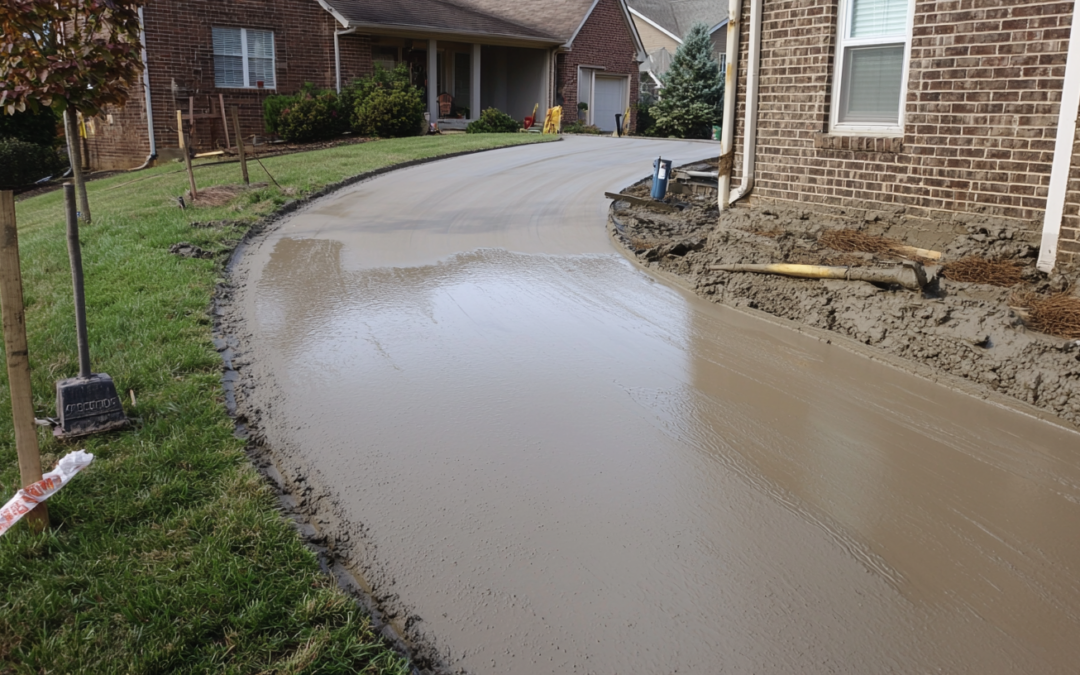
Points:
(187, 155)
(224, 120)
(240, 143)
(18, 359)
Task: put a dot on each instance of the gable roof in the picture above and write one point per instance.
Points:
(677, 16)
(553, 21)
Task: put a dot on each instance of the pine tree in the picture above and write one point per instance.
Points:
(693, 94)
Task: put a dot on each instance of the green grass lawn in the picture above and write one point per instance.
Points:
(168, 554)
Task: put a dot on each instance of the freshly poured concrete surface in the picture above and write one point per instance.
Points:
(557, 464)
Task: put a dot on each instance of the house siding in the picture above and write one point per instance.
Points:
(605, 40)
(180, 52)
(653, 39)
(983, 96)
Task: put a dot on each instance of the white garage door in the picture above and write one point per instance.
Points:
(609, 99)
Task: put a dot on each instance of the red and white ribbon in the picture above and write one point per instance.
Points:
(32, 495)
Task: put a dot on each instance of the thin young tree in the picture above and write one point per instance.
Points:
(692, 98)
(75, 56)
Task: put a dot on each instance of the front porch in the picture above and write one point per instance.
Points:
(470, 77)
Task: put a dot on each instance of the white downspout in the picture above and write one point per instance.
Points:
(146, 89)
(1063, 151)
(727, 132)
(750, 123)
(337, 53)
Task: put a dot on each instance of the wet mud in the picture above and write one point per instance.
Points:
(535, 458)
(967, 330)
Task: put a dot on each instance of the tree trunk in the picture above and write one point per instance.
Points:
(71, 130)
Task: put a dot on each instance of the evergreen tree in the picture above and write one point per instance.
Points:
(693, 94)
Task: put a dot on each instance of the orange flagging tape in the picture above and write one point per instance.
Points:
(32, 495)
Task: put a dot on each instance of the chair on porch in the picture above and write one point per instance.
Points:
(446, 104)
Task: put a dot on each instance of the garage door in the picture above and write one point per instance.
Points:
(609, 99)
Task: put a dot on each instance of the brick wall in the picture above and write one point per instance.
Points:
(983, 95)
(606, 40)
(181, 53)
(1069, 245)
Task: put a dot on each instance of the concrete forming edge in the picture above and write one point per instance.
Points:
(310, 507)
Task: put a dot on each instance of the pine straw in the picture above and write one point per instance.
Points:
(1057, 315)
(771, 233)
(220, 195)
(976, 270)
(851, 241)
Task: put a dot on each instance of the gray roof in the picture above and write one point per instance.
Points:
(554, 21)
(677, 16)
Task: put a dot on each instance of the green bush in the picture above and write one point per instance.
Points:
(273, 107)
(22, 163)
(646, 120)
(579, 128)
(693, 94)
(390, 112)
(312, 118)
(381, 78)
(32, 127)
(493, 121)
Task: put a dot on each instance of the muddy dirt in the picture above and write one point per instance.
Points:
(534, 458)
(964, 329)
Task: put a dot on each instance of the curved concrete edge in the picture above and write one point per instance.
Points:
(311, 509)
(620, 242)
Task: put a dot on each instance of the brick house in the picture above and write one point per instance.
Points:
(935, 106)
(484, 53)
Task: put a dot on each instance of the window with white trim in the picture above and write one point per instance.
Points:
(871, 66)
(243, 57)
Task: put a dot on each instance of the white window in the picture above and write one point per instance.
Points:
(243, 57)
(871, 66)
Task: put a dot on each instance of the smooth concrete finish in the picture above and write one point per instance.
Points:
(555, 463)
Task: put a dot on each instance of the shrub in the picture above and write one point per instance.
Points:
(692, 97)
(312, 118)
(493, 121)
(381, 78)
(273, 107)
(646, 120)
(22, 163)
(579, 128)
(32, 127)
(390, 112)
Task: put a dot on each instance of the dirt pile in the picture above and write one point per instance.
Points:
(978, 318)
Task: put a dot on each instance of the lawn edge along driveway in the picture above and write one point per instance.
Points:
(170, 553)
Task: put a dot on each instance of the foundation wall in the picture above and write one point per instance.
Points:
(983, 96)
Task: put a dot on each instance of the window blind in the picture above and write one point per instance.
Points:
(260, 48)
(878, 18)
(228, 58)
(873, 81)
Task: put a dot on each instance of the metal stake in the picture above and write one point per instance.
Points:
(75, 253)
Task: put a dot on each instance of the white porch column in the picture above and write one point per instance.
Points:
(474, 84)
(433, 80)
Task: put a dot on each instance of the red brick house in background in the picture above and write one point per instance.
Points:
(484, 53)
(936, 106)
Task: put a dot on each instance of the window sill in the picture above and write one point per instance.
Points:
(883, 144)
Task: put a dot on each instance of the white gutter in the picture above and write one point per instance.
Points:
(1063, 151)
(337, 53)
(750, 123)
(146, 89)
(727, 132)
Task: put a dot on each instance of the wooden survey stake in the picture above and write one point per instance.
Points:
(187, 155)
(18, 358)
(240, 144)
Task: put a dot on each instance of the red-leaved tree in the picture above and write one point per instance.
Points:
(70, 55)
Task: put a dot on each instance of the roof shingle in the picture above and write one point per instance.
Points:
(554, 20)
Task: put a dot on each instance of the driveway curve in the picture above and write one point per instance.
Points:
(542, 460)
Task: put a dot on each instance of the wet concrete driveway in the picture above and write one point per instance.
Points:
(553, 463)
